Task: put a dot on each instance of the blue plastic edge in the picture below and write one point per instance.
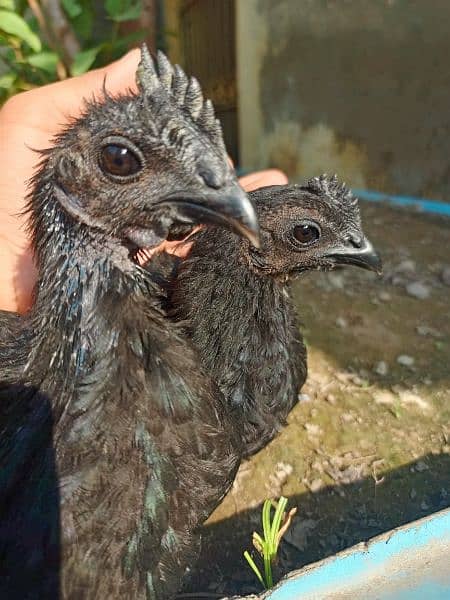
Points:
(441, 208)
(354, 564)
(431, 206)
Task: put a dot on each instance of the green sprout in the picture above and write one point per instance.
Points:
(273, 531)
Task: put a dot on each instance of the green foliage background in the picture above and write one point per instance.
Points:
(30, 56)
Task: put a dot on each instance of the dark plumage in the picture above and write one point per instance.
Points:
(234, 300)
(114, 447)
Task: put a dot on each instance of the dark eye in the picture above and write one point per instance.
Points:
(119, 160)
(306, 233)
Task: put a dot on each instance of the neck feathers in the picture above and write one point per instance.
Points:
(244, 328)
(86, 290)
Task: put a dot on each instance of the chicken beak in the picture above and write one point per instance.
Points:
(228, 207)
(363, 256)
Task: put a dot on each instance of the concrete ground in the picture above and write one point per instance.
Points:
(368, 446)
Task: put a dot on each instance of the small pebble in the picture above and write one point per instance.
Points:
(406, 266)
(347, 418)
(405, 360)
(357, 380)
(421, 466)
(312, 428)
(381, 368)
(424, 505)
(341, 322)
(418, 290)
(336, 280)
(316, 485)
(282, 473)
(411, 398)
(424, 330)
(331, 398)
(317, 466)
(445, 275)
(304, 398)
(287, 468)
(384, 397)
(384, 296)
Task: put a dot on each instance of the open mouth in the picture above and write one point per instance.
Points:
(230, 209)
(179, 216)
(180, 231)
(144, 244)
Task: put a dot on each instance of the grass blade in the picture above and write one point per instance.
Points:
(276, 523)
(254, 568)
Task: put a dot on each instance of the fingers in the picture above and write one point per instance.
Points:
(119, 76)
(253, 181)
(180, 249)
(17, 277)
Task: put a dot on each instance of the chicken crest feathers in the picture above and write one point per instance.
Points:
(156, 76)
(337, 193)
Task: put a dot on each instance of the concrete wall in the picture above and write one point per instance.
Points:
(360, 87)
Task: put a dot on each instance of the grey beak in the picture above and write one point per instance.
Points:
(229, 207)
(363, 256)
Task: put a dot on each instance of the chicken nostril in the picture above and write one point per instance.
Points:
(355, 241)
(210, 178)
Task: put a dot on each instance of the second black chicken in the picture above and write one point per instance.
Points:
(235, 300)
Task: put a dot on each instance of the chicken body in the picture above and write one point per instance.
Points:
(235, 300)
(114, 447)
(246, 331)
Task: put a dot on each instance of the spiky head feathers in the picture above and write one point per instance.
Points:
(324, 196)
(161, 81)
(332, 190)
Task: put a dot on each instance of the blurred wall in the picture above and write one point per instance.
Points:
(360, 87)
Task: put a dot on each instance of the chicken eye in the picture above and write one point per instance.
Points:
(306, 233)
(119, 160)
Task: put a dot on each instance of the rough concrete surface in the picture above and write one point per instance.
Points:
(360, 87)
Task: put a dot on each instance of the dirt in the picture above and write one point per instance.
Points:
(368, 446)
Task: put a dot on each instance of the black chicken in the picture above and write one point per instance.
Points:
(235, 300)
(113, 446)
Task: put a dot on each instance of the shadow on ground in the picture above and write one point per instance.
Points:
(328, 521)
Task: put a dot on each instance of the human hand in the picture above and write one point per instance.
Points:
(30, 121)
